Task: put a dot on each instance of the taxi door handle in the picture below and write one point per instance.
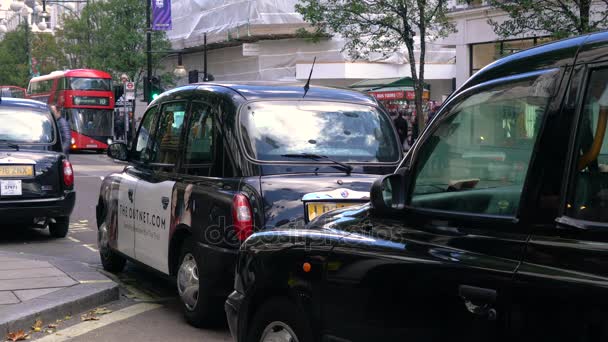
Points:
(165, 202)
(479, 301)
(131, 195)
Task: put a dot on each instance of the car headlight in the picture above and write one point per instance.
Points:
(109, 141)
(73, 141)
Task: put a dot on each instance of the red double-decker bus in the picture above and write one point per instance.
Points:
(86, 100)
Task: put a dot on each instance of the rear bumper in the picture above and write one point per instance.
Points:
(232, 307)
(25, 210)
(218, 270)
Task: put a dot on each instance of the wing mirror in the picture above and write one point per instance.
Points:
(388, 193)
(118, 151)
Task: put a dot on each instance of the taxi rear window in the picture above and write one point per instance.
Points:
(26, 126)
(347, 132)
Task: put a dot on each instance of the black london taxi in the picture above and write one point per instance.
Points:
(494, 227)
(212, 163)
(36, 178)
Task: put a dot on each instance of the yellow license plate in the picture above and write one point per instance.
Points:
(316, 209)
(16, 171)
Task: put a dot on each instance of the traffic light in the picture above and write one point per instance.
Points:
(193, 76)
(147, 97)
(155, 88)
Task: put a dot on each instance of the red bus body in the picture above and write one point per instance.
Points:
(12, 91)
(85, 99)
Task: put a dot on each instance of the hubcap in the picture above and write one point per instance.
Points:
(278, 332)
(102, 237)
(187, 281)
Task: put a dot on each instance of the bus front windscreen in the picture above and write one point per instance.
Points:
(84, 83)
(91, 122)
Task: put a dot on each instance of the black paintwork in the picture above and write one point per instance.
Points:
(419, 275)
(44, 195)
(274, 189)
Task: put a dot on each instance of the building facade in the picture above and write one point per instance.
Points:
(257, 40)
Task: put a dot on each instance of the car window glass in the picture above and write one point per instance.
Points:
(165, 147)
(141, 152)
(199, 142)
(589, 195)
(477, 158)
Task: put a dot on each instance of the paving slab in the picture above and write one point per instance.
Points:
(7, 297)
(25, 295)
(47, 289)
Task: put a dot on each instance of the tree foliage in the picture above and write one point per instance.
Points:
(14, 66)
(554, 17)
(111, 36)
(106, 35)
(382, 26)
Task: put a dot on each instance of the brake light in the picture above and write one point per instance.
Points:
(242, 218)
(68, 174)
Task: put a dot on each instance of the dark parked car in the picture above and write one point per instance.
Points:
(212, 163)
(495, 226)
(36, 178)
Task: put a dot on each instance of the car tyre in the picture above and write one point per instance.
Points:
(200, 309)
(59, 228)
(278, 319)
(110, 260)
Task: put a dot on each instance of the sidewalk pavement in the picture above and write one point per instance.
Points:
(36, 287)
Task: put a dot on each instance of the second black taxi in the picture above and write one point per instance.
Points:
(213, 163)
(494, 228)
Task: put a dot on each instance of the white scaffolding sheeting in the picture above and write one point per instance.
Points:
(220, 18)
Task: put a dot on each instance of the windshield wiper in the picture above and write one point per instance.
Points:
(345, 167)
(9, 144)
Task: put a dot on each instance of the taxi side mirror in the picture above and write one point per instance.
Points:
(118, 151)
(388, 193)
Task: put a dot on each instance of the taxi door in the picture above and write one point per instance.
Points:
(122, 234)
(156, 195)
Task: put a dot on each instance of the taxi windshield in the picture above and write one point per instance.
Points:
(25, 126)
(281, 130)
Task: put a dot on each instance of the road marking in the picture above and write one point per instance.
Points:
(94, 281)
(88, 326)
(91, 248)
(72, 239)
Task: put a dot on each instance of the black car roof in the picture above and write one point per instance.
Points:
(23, 103)
(254, 90)
(551, 55)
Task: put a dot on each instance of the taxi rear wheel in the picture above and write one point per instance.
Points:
(59, 228)
(278, 320)
(200, 309)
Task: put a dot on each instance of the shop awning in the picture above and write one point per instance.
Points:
(386, 89)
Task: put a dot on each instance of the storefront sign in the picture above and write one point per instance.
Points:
(388, 95)
(409, 95)
(161, 15)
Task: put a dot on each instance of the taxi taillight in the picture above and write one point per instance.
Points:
(68, 174)
(242, 218)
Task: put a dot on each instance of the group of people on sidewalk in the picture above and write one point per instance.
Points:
(405, 125)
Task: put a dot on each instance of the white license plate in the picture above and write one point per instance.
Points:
(10, 187)
(91, 145)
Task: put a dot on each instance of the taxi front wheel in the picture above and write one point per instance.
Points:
(278, 320)
(200, 309)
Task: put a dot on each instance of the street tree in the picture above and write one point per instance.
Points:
(556, 18)
(43, 47)
(382, 26)
(111, 36)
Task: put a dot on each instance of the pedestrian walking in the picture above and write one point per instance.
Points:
(64, 130)
(401, 126)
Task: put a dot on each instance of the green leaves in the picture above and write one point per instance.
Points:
(559, 19)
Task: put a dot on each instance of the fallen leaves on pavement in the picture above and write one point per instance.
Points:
(52, 326)
(37, 327)
(102, 311)
(89, 316)
(19, 335)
